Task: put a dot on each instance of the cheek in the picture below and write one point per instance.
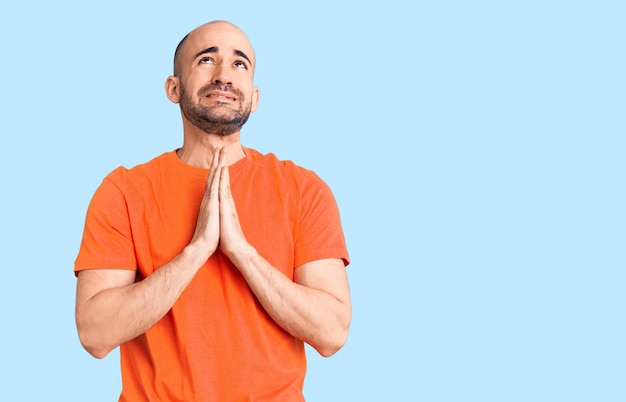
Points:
(195, 82)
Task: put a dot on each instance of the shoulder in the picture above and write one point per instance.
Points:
(147, 171)
(282, 167)
(289, 178)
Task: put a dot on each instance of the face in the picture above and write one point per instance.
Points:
(215, 70)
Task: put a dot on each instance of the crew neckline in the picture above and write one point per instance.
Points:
(197, 171)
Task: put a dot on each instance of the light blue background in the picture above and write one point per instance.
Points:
(476, 150)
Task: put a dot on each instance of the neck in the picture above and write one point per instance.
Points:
(198, 149)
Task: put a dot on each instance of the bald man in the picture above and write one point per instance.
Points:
(211, 265)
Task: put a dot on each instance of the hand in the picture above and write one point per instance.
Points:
(207, 233)
(232, 239)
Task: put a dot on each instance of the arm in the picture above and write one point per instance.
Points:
(111, 308)
(315, 308)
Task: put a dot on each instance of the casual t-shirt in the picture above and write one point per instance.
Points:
(217, 343)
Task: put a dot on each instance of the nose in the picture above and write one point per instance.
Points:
(221, 76)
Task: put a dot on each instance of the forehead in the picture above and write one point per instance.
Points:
(226, 37)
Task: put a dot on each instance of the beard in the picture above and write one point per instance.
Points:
(218, 119)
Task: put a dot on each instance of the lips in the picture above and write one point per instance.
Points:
(223, 93)
(221, 96)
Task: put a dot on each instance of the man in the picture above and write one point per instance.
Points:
(211, 265)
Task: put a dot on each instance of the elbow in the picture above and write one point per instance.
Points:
(330, 348)
(97, 351)
(328, 351)
(92, 338)
(336, 337)
(333, 343)
(93, 343)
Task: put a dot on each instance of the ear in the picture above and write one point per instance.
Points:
(256, 95)
(172, 88)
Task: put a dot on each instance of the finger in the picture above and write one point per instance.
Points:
(226, 207)
(225, 182)
(231, 234)
(226, 199)
(214, 165)
(222, 158)
(212, 187)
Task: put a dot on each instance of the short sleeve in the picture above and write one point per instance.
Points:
(107, 238)
(319, 233)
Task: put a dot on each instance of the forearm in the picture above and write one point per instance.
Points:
(118, 314)
(314, 316)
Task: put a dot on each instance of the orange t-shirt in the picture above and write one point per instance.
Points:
(217, 343)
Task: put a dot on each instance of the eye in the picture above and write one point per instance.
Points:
(241, 64)
(206, 60)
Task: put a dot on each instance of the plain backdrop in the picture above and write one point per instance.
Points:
(475, 148)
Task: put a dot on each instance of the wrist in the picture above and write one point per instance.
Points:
(195, 255)
(242, 255)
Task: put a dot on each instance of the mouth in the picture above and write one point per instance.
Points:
(221, 96)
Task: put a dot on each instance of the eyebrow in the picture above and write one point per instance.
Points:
(215, 49)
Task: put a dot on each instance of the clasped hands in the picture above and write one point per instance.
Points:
(218, 223)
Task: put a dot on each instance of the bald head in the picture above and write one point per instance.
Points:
(206, 36)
